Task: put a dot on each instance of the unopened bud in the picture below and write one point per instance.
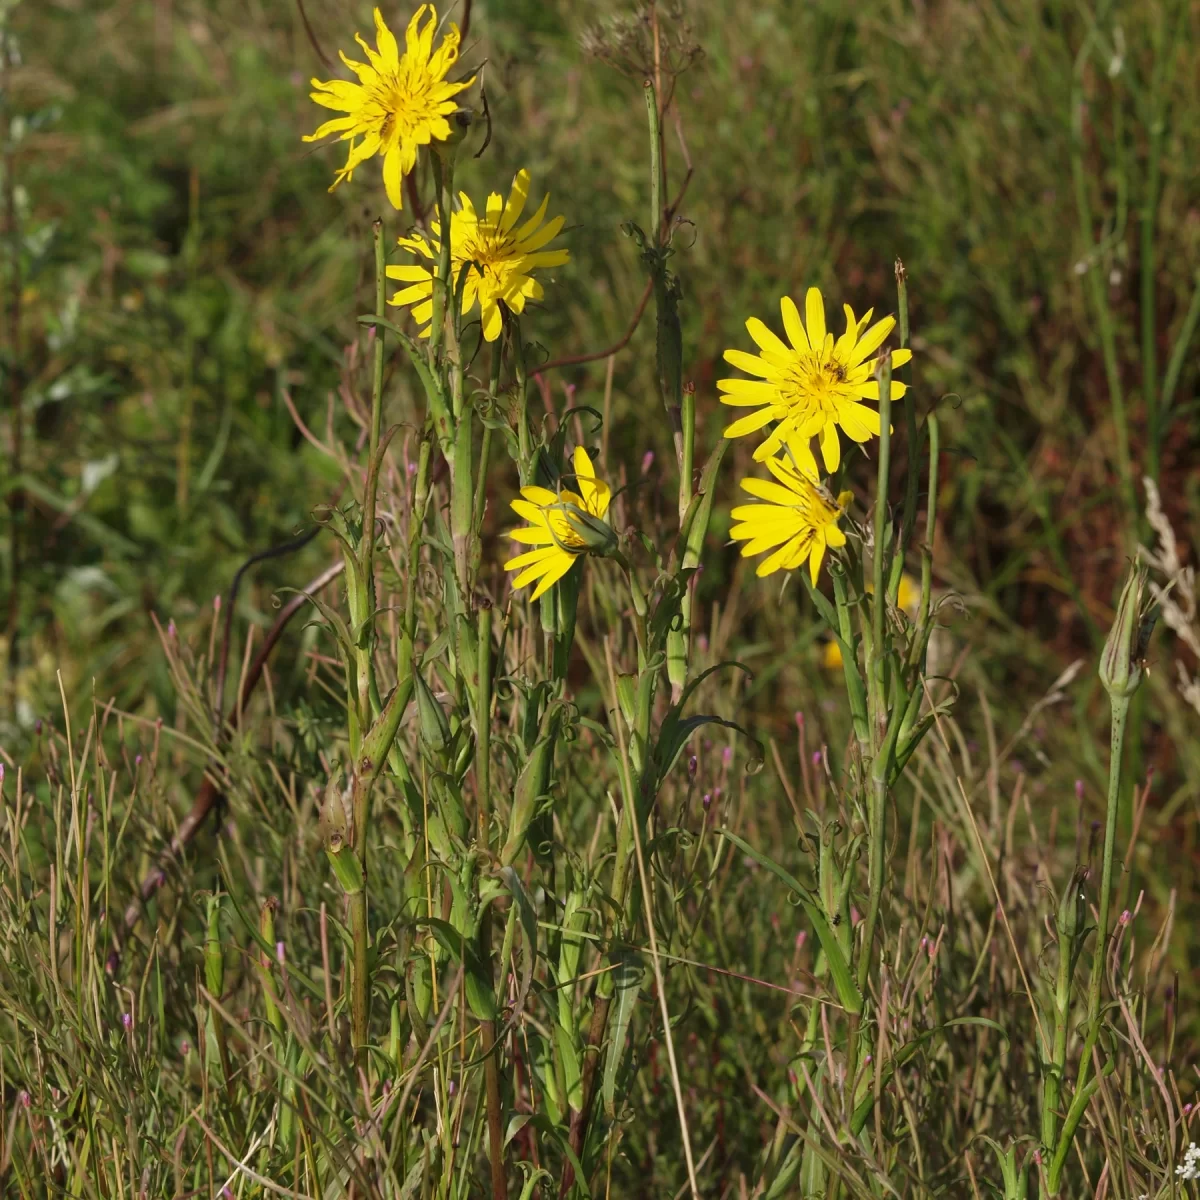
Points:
(1122, 661)
(435, 729)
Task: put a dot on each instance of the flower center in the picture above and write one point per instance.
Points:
(491, 252)
(405, 107)
(814, 382)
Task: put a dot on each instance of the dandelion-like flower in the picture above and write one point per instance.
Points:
(400, 102)
(501, 254)
(813, 386)
(799, 517)
(561, 526)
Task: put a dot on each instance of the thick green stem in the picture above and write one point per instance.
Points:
(1120, 715)
(363, 626)
(877, 685)
(1084, 1089)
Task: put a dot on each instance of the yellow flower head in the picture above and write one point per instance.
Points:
(400, 103)
(812, 386)
(502, 255)
(561, 526)
(798, 517)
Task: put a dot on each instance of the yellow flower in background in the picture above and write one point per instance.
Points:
(502, 255)
(400, 103)
(908, 598)
(799, 517)
(813, 386)
(562, 526)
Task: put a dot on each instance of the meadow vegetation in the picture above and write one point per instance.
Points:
(643, 644)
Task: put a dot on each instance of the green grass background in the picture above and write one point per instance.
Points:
(182, 266)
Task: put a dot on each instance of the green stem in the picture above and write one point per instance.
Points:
(876, 685)
(363, 620)
(1096, 285)
(1084, 1089)
(1120, 715)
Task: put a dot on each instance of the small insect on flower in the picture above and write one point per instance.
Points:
(799, 517)
(562, 526)
(400, 102)
(500, 255)
(813, 386)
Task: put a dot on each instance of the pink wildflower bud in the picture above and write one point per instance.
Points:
(647, 461)
(1125, 917)
(127, 1021)
(799, 719)
(801, 938)
(217, 603)
(279, 954)
(1079, 789)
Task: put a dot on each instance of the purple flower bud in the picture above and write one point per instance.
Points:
(453, 1086)
(727, 756)
(702, 643)
(816, 758)
(1, 772)
(693, 767)
(127, 1021)
(707, 800)
(801, 938)
(1125, 917)
(924, 942)
(867, 1059)
(799, 719)
(137, 760)
(1187, 1108)
(279, 953)
(370, 333)
(1079, 789)
(411, 468)
(647, 461)
(25, 1099)
(171, 628)
(185, 1048)
(217, 603)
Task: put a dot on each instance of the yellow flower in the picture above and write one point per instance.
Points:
(561, 526)
(502, 258)
(812, 386)
(400, 103)
(908, 599)
(799, 517)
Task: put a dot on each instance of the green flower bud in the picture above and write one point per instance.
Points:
(1121, 663)
(435, 729)
(1072, 909)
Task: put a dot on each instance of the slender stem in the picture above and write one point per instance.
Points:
(876, 684)
(911, 432)
(360, 1003)
(1095, 284)
(1058, 1060)
(1120, 715)
(16, 496)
